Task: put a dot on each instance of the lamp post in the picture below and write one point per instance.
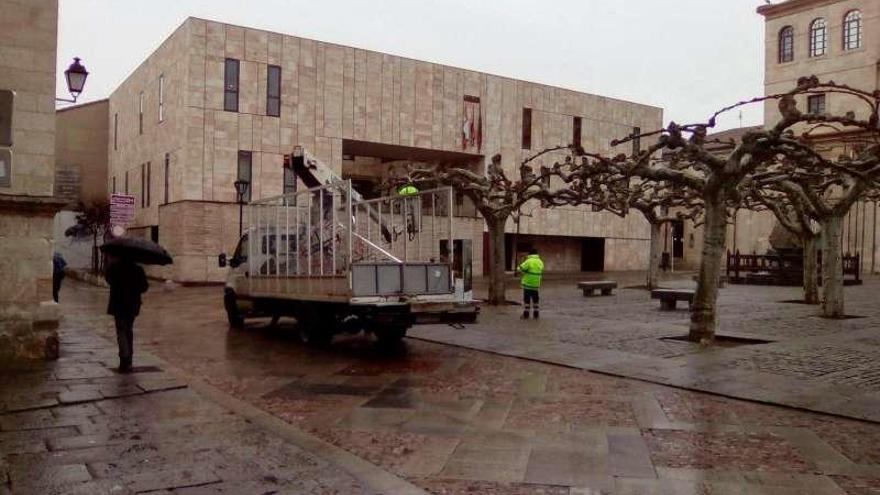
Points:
(241, 188)
(76, 76)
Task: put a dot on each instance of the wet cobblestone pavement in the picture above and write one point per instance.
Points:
(453, 420)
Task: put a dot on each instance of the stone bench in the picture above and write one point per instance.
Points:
(604, 286)
(668, 297)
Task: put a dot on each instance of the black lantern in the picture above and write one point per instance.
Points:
(241, 189)
(76, 76)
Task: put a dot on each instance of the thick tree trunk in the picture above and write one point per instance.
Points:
(811, 277)
(703, 310)
(654, 252)
(497, 289)
(832, 269)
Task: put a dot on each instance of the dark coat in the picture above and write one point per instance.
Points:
(127, 282)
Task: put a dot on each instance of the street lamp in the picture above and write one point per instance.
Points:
(76, 76)
(241, 189)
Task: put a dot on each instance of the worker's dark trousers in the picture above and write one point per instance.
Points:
(125, 339)
(531, 298)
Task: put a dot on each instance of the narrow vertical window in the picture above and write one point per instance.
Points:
(141, 113)
(527, 129)
(126, 182)
(161, 97)
(149, 190)
(816, 104)
(852, 30)
(113, 187)
(576, 131)
(637, 141)
(143, 184)
(818, 37)
(786, 44)
(166, 174)
(273, 91)
(115, 131)
(230, 85)
(244, 172)
(289, 181)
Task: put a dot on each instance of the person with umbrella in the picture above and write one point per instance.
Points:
(128, 282)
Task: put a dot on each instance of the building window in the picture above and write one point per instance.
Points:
(637, 141)
(289, 180)
(141, 113)
(786, 44)
(576, 124)
(154, 233)
(166, 174)
(143, 184)
(852, 30)
(816, 104)
(527, 129)
(230, 85)
(113, 187)
(818, 37)
(244, 172)
(273, 91)
(115, 131)
(126, 182)
(148, 192)
(161, 97)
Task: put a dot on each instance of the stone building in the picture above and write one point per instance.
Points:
(216, 102)
(28, 317)
(835, 40)
(80, 174)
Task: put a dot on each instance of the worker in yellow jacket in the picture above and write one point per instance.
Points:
(532, 269)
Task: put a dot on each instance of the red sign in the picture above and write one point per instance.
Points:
(121, 209)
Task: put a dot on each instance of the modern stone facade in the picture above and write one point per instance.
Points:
(851, 56)
(351, 108)
(81, 152)
(28, 317)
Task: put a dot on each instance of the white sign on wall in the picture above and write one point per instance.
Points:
(121, 209)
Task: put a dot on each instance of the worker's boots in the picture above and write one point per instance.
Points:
(525, 315)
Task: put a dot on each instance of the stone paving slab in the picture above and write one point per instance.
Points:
(828, 366)
(458, 421)
(76, 426)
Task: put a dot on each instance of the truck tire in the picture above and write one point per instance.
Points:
(233, 315)
(315, 326)
(390, 335)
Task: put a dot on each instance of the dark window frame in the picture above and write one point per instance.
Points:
(526, 128)
(816, 104)
(161, 98)
(141, 113)
(149, 191)
(113, 186)
(115, 131)
(143, 184)
(230, 87)
(126, 182)
(636, 141)
(853, 31)
(818, 37)
(577, 125)
(246, 158)
(270, 98)
(786, 45)
(167, 170)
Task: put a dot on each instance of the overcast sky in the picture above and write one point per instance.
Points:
(690, 57)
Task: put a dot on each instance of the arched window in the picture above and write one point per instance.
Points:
(818, 37)
(786, 44)
(852, 30)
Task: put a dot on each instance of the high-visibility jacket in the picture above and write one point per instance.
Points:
(532, 269)
(408, 190)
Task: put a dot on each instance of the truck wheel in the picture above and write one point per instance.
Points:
(315, 327)
(233, 315)
(390, 335)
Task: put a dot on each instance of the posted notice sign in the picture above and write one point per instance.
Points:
(121, 209)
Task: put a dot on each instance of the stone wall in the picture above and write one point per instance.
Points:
(28, 36)
(81, 151)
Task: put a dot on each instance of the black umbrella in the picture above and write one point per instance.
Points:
(138, 250)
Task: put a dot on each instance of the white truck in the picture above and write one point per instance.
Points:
(339, 263)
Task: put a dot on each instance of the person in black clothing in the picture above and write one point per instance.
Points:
(127, 282)
(58, 265)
